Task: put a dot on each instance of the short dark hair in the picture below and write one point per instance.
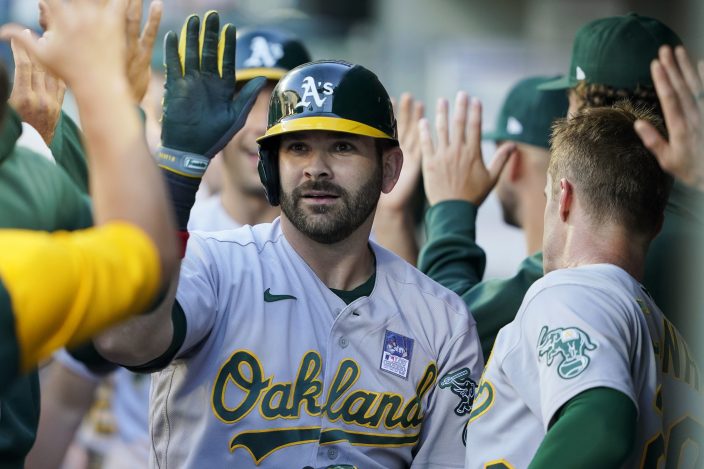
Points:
(619, 179)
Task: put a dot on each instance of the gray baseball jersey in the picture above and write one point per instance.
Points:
(577, 329)
(277, 371)
(208, 214)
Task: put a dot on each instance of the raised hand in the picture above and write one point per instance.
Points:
(681, 92)
(140, 46)
(394, 225)
(408, 113)
(37, 95)
(86, 39)
(200, 115)
(454, 169)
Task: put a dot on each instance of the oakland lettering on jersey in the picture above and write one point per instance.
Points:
(675, 357)
(286, 400)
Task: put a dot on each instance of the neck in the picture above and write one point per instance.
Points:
(531, 221)
(605, 245)
(343, 265)
(247, 209)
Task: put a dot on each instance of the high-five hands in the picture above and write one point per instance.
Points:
(681, 92)
(453, 169)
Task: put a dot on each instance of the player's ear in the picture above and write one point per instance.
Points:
(514, 166)
(391, 163)
(566, 198)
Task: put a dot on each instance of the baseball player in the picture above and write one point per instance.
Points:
(525, 119)
(86, 287)
(591, 373)
(259, 52)
(273, 352)
(451, 255)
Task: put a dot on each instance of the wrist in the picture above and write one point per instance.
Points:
(89, 87)
(183, 163)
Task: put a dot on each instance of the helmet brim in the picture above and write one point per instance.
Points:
(246, 74)
(332, 124)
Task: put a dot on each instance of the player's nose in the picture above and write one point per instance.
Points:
(317, 165)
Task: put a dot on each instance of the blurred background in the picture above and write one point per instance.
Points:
(433, 49)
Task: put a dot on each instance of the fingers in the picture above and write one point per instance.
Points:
(209, 43)
(688, 71)
(426, 141)
(653, 141)
(23, 66)
(418, 111)
(16, 33)
(687, 102)
(151, 28)
(133, 22)
(189, 46)
(39, 75)
(226, 52)
(669, 103)
(441, 123)
(172, 60)
(459, 119)
(404, 112)
(503, 153)
(474, 137)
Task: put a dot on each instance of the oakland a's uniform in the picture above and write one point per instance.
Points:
(578, 329)
(275, 370)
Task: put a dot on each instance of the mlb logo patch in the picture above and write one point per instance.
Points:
(396, 354)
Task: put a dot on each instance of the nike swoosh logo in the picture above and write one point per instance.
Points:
(270, 297)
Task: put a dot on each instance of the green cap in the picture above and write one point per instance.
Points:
(616, 52)
(527, 113)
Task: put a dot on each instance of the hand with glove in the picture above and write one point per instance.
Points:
(200, 115)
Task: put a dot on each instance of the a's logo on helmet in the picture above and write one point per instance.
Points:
(264, 53)
(571, 343)
(310, 90)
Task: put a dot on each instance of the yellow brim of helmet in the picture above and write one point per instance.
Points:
(247, 74)
(333, 124)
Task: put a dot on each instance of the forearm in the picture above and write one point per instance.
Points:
(66, 398)
(450, 255)
(125, 182)
(594, 429)
(141, 339)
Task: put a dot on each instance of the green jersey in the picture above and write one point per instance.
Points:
(34, 194)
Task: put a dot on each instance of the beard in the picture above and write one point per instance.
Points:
(509, 207)
(329, 224)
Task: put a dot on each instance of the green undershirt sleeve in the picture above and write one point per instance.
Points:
(450, 255)
(596, 428)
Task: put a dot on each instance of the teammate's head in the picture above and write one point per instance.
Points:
(601, 172)
(259, 52)
(526, 118)
(611, 62)
(330, 148)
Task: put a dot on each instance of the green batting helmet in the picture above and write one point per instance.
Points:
(264, 52)
(325, 95)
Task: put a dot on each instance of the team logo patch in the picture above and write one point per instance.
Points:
(570, 342)
(264, 53)
(396, 356)
(461, 384)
